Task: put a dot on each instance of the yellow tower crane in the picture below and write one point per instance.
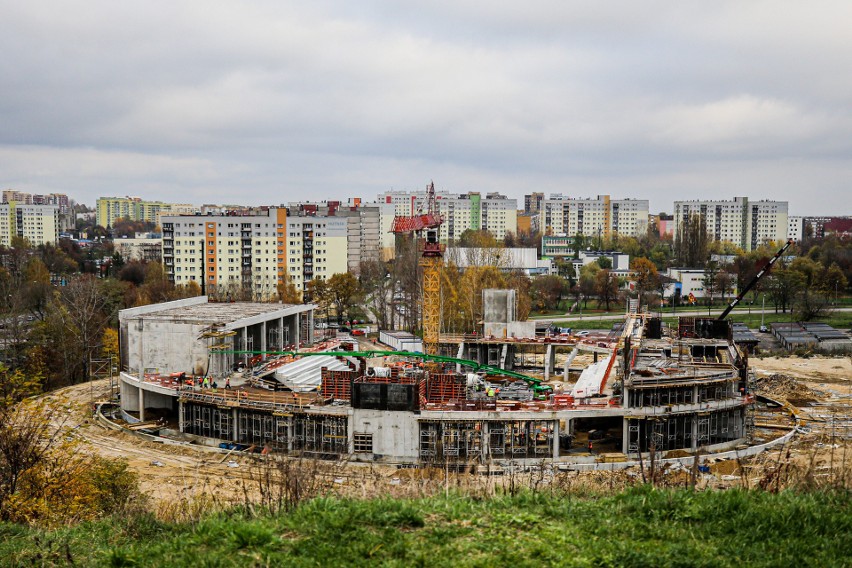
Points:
(431, 262)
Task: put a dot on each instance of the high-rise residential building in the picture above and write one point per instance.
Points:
(600, 217)
(368, 227)
(249, 255)
(59, 199)
(39, 224)
(11, 195)
(532, 202)
(316, 248)
(239, 255)
(746, 224)
(795, 227)
(110, 209)
(495, 213)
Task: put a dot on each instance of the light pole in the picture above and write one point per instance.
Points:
(762, 311)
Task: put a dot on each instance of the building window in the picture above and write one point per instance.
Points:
(363, 443)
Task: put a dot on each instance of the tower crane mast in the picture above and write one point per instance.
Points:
(425, 225)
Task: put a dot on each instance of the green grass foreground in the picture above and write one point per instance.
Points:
(639, 527)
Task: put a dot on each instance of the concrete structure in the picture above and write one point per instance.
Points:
(746, 224)
(175, 337)
(39, 224)
(495, 213)
(601, 217)
(651, 399)
(507, 259)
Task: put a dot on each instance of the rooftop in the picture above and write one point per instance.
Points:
(199, 310)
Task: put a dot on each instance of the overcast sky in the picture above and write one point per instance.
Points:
(269, 102)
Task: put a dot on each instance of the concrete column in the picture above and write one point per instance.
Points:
(625, 435)
(555, 435)
(141, 404)
(486, 442)
(549, 361)
(281, 334)
(695, 431)
(181, 424)
(460, 355)
(235, 428)
(503, 355)
(263, 332)
(298, 339)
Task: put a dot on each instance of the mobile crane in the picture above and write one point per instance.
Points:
(755, 280)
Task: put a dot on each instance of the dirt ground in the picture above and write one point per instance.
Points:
(820, 388)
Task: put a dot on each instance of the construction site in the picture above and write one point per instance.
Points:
(250, 378)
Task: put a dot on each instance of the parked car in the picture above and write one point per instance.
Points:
(582, 333)
(358, 332)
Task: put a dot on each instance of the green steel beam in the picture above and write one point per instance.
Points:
(533, 381)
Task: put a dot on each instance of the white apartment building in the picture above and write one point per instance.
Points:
(39, 224)
(495, 213)
(227, 254)
(368, 227)
(316, 247)
(600, 217)
(795, 228)
(746, 224)
(144, 247)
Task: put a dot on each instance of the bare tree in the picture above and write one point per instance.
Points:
(83, 317)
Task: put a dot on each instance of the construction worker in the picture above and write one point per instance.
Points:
(591, 449)
(206, 383)
(227, 382)
(490, 392)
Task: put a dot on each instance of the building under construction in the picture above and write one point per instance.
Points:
(646, 389)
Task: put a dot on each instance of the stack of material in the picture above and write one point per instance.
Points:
(781, 386)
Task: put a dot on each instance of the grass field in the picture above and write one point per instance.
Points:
(638, 527)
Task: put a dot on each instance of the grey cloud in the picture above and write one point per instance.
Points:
(251, 101)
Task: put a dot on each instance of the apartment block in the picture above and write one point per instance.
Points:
(110, 209)
(236, 255)
(316, 247)
(746, 224)
(600, 217)
(495, 213)
(532, 202)
(39, 224)
(145, 247)
(368, 227)
(795, 228)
